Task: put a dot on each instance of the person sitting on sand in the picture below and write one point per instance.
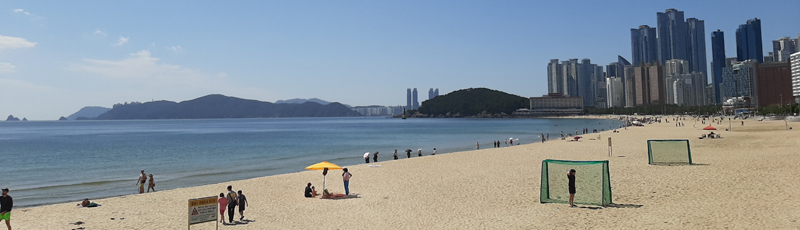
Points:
(313, 191)
(309, 191)
(88, 204)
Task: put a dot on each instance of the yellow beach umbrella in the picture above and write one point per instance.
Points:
(324, 166)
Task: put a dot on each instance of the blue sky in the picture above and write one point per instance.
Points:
(58, 56)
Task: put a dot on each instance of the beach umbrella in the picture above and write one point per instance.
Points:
(324, 166)
(709, 128)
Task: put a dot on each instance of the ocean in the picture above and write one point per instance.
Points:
(46, 162)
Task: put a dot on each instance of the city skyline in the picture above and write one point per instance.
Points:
(52, 62)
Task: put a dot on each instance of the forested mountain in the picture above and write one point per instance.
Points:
(220, 106)
(473, 102)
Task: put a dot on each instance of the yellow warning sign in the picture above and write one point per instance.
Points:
(203, 210)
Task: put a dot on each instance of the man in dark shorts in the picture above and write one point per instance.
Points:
(6, 203)
(307, 193)
(232, 196)
(242, 202)
(571, 177)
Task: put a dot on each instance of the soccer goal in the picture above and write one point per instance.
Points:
(669, 152)
(593, 186)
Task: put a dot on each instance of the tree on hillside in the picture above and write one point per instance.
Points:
(474, 101)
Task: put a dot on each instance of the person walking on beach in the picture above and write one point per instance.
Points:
(542, 137)
(152, 184)
(6, 203)
(242, 203)
(477, 145)
(231, 203)
(375, 157)
(366, 157)
(408, 153)
(223, 204)
(142, 179)
(434, 152)
(571, 178)
(395, 154)
(419, 152)
(346, 178)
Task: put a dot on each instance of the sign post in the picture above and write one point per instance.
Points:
(609, 147)
(203, 210)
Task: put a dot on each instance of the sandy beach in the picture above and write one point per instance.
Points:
(746, 180)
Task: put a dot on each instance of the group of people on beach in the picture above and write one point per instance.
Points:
(408, 155)
(143, 179)
(230, 201)
(311, 191)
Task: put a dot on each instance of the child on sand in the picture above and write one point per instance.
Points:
(242, 203)
(223, 204)
(571, 177)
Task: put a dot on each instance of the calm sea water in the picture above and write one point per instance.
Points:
(61, 161)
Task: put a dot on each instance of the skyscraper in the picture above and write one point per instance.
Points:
(555, 81)
(696, 55)
(615, 92)
(783, 48)
(644, 45)
(672, 35)
(569, 78)
(795, 64)
(649, 86)
(671, 69)
(430, 93)
(587, 82)
(436, 92)
(414, 98)
(748, 41)
(718, 62)
(408, 99)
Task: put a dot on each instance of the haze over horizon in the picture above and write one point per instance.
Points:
(57, 57)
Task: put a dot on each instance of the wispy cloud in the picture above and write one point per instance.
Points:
(175, 48)
(98, 31)
(122, 41)
(6, 67)
(7, 42)
(141, 72)
(21, 11)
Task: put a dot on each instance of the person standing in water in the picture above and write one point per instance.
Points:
(366, 157)
(142, 179)
(152, 184)
(434, 152)
(395, 154)
(419, 152)
(375, 157)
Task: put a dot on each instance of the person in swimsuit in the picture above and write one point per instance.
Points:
(152, 184)
(142, 179)
(571, 178)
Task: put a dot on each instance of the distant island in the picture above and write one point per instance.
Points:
(301, 101)
(221, 106)
(472, 102)
(86, 113)
(12, 118)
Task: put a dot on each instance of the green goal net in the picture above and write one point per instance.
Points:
(669, 152)
(592, 184)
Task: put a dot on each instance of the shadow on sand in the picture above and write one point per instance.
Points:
(613, 205)
(238, 222)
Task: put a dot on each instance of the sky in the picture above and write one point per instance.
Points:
(59, 56)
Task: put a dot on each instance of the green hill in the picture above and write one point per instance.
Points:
(473, 102)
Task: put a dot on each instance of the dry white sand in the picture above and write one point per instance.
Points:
(747, 180)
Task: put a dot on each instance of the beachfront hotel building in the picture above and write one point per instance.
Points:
(774, 83)
(615, 92)
(739, 80)
(783, 48)
(552, 104)
(795, 62)
(646, 84)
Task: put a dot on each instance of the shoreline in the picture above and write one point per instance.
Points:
(498, 188)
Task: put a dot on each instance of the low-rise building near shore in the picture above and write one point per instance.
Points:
(553, 104)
